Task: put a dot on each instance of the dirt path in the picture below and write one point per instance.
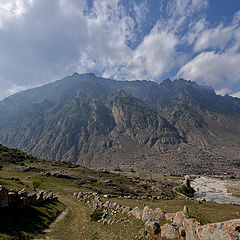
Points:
(59, 218)
(76, 224)
(213, 190)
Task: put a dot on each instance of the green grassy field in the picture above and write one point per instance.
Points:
(76, 223)
(28, 223)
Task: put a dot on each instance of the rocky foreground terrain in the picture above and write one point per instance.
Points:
(178, 226)
(94, 204)
(172, 127)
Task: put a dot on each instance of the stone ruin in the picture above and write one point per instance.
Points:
(22, 199)
(177, 225)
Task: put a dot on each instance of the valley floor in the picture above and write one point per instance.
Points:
(76, 224)
(216, 190)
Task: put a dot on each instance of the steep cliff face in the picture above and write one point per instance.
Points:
(172, 126)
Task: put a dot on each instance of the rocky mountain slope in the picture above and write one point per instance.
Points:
(176, 126)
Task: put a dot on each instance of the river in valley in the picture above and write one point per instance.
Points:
(213, 189)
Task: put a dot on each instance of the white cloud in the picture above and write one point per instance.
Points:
(140, 12)
(218, 58)
(236, 94)
(216, 69)
(16, 88)
(236, 18)
(181, 11)
(223, 91)
(13, 9)
(195, 29)
(217, 37)
(154, 56)
(46, 40)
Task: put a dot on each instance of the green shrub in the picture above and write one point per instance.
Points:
(36, 184)
(187, 189)
(132, 170)
(96, 215)
(118, 169)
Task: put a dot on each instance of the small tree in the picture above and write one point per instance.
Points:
(187, 190)
(118, 169)
(36, 184)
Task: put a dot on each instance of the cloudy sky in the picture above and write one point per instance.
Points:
(45, 40)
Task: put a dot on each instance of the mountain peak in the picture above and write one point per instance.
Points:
(75, 74)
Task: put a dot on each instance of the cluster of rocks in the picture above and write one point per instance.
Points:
(31, 169)
(62, 174)
(22, 199)
(145, 197)
(109, 209)
(178, 226)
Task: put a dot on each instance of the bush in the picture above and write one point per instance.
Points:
(36, 184)
(118, 169)
(96, 215)
(187, 189)
(132, 170)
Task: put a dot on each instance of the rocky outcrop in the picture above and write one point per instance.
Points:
(152, 218)
(168, 231)
(191, 228)
(229, 230)
(137, 213)
(22, 199)
(3, 197)
(152, 227)
(178, 226)
(103, 123)
(183, 226)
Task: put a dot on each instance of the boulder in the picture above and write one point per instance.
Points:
(158, 215)
(49, 197)
(147, 214)
(3, 197)
(23, 193)
(152, 215)
(107, 196)
(185, 210)
(79, 195)
(22, 202)
(221, 231)
(137, 213)
(191, 228)
(182, 232)
(168, 231)
(126, 210)
(152, 227)
(106, 204)
(39, 199)
(32, 199)
(114, 205)
(178, 218)
(13, 199)
(169, 216)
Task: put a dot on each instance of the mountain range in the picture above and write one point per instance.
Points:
(172, 127)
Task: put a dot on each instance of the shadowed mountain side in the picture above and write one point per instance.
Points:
(168, 127)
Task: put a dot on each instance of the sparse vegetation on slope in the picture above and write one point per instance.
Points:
(139, 125)
(77, 222)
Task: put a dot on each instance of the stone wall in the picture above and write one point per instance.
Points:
(178, 226)
(22, 199)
